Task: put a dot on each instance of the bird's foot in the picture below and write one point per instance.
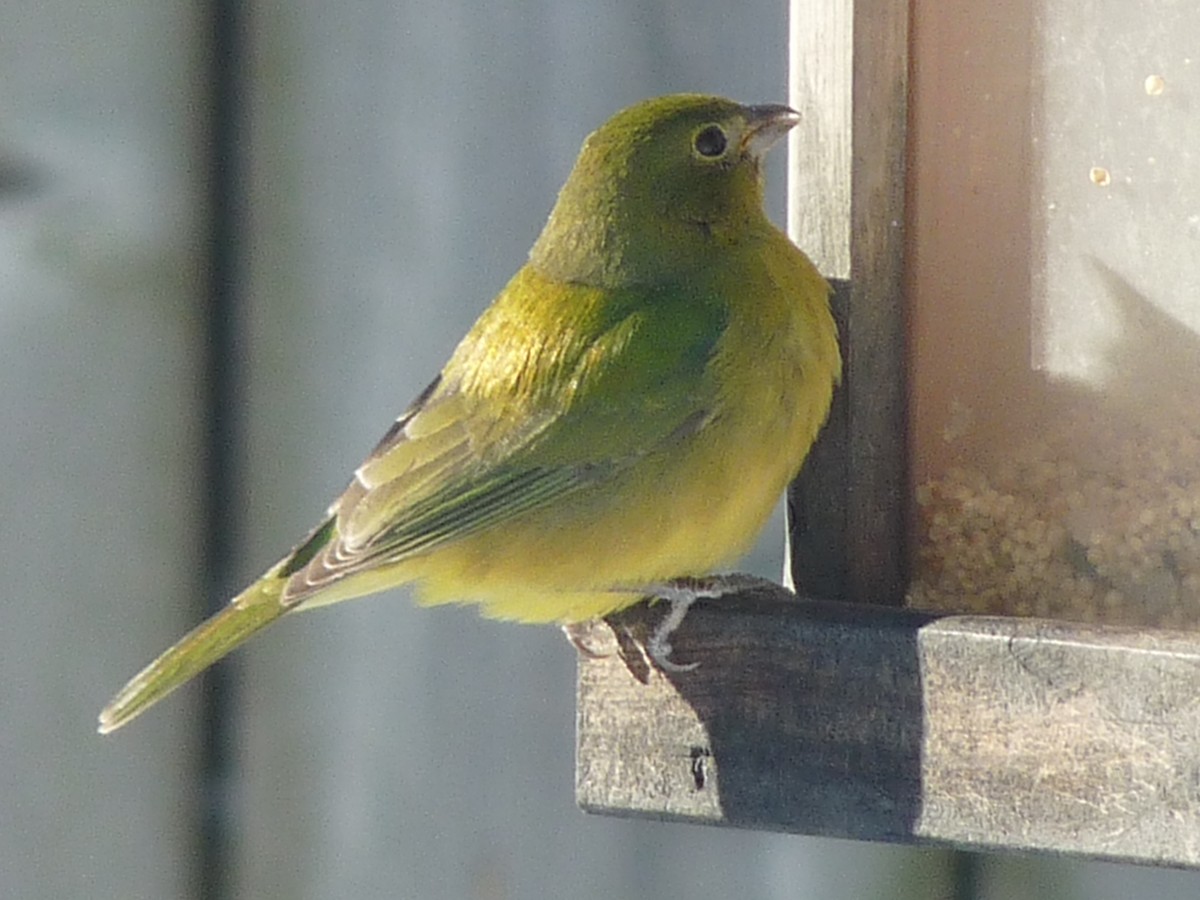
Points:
(681, 593)
(658, 647)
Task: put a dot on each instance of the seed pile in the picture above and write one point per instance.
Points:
(1097, 519)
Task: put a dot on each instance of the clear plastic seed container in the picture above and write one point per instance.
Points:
(1054, 281)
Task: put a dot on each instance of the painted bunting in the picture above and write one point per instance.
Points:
(617, 424)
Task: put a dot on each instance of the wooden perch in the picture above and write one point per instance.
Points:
(885, 724)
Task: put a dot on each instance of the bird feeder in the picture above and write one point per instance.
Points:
(1004, 508)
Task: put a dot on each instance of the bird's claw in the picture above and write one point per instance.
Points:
(658, 647)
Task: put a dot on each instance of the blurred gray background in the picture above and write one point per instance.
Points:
(397, 161)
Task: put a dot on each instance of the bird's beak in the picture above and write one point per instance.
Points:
(765, 125)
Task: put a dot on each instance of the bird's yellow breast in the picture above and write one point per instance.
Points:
(680, 512)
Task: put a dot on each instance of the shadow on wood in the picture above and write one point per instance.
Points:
(768, 731)
(885, 724)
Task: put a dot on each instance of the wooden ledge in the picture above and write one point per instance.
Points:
(884, 724)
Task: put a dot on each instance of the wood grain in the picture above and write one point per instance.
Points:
(849, 80)
(884, 724)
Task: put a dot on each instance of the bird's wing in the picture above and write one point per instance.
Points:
(521, 417)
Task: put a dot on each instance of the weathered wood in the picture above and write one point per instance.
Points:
(819, 555)
(884, 724)
(820, 161)
(849, 80)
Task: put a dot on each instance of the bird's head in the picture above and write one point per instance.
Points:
(660, 188)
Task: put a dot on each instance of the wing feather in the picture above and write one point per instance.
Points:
(522, 417)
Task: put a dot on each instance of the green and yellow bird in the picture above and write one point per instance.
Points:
(617, 424)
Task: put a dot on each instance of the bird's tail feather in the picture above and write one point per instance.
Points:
(249, 612)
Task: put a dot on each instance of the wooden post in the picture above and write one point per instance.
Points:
(849, 81)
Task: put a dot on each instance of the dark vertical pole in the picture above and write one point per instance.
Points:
(817, 504)
(849, 82)
(222, 433)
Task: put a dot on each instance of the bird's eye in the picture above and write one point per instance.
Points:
(710, 141)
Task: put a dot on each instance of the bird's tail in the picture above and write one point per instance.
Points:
(246, 614)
